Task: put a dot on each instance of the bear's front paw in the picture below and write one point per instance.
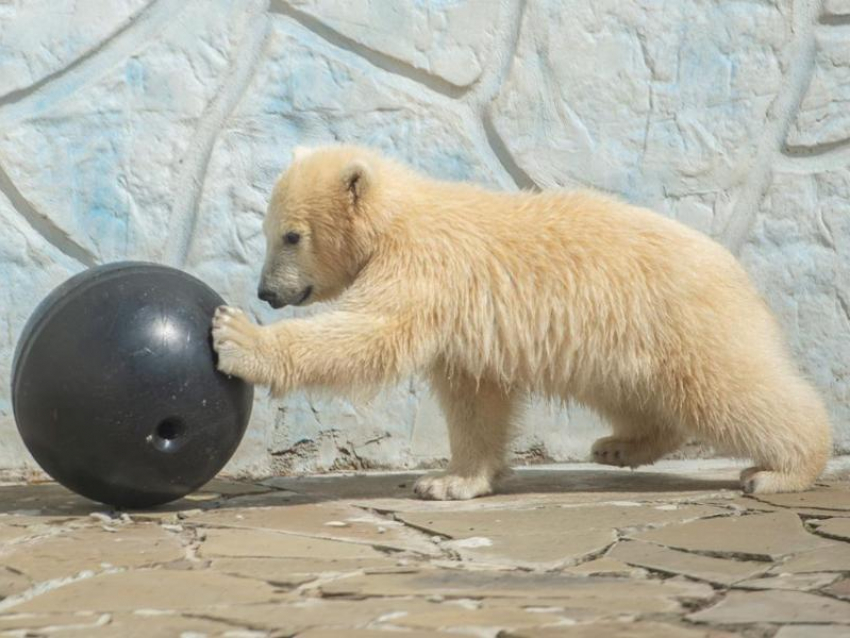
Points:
(452, 487)
(238, 344)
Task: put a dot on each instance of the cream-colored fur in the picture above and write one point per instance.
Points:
(575, 296)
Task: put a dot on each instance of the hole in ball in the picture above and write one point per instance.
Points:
(169, 430)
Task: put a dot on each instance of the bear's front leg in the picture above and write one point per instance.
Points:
(336, 351)
(243, 347)
(479, 417)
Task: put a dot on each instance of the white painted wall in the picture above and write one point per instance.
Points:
(153, 129)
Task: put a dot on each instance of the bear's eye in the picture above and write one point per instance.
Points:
(292, 238)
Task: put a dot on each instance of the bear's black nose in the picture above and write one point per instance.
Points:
(266, 295)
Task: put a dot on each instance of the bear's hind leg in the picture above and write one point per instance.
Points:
(479, 417)
(773, 416)
(790, 441)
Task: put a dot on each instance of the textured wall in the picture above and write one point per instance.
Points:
(153, 129)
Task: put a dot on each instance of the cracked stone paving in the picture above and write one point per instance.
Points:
(676, 551)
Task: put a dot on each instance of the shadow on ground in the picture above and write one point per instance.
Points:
(51, 500)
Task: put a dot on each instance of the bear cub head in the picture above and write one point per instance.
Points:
(320, 224)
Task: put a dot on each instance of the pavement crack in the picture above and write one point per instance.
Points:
(832, 537)
(591, 556)
(432, 537)
(227, 622)
(429, 533)
(731, 555)
(49, 585)
(625, 532)
(379, 547)
(191, 538)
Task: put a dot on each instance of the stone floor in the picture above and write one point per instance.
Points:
(575, 552)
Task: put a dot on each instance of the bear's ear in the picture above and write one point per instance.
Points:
(300, 152)
(356, 178)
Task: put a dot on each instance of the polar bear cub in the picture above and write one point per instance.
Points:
(575, 296)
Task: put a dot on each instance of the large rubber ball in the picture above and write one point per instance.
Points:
(115, 390)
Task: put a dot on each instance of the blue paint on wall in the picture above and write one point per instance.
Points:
(134, 75)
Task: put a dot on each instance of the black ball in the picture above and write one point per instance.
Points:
(115, 390)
